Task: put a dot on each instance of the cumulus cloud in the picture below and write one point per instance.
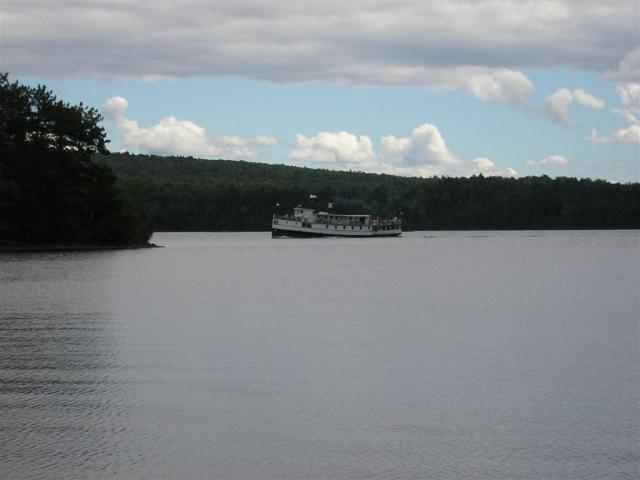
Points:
(557, 107)
(422, 154)
(484, 164)
(339, 150)
(506, 172)
(480, 47)
(171, 136)
(486, 167)
(425, 147)
(553, 160)
(558, 103)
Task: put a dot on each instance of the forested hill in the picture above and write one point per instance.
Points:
(187, 194)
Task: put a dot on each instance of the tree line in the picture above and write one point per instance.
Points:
(189, 194)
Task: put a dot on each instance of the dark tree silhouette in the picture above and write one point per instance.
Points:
(50, 189)
(187, 194)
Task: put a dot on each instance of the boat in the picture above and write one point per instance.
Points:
(309, 222)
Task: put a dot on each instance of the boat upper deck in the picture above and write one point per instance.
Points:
(309, 215)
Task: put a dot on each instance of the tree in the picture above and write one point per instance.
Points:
(187, 194)
(50, 190)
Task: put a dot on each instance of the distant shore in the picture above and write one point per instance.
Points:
(12, 247)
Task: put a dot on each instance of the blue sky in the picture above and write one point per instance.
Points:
(408, 88)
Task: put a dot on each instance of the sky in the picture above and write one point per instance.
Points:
(414, 88)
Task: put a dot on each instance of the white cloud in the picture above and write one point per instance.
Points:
(507, 172)
(630, 134)
(557, 107)
(486, 167)
(480, 47)
(629, 94)
(553, 160)
(558, 103)
(483, 164)
(171, 136)
(497, 86)
(588, 100)
(423, 154)
(426, 146)
(339, 150)
(626, 114)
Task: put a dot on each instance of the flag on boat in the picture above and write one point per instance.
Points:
(312, 196)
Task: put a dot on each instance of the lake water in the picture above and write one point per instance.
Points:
(446, 355)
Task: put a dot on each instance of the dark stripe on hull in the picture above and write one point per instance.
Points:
(292, 233)
(387, 235)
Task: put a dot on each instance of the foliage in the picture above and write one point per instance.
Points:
(50, 189)
(187, 194)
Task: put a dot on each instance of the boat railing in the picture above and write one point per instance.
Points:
(324, 221)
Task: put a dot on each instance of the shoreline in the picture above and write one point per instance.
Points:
(18, 247)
